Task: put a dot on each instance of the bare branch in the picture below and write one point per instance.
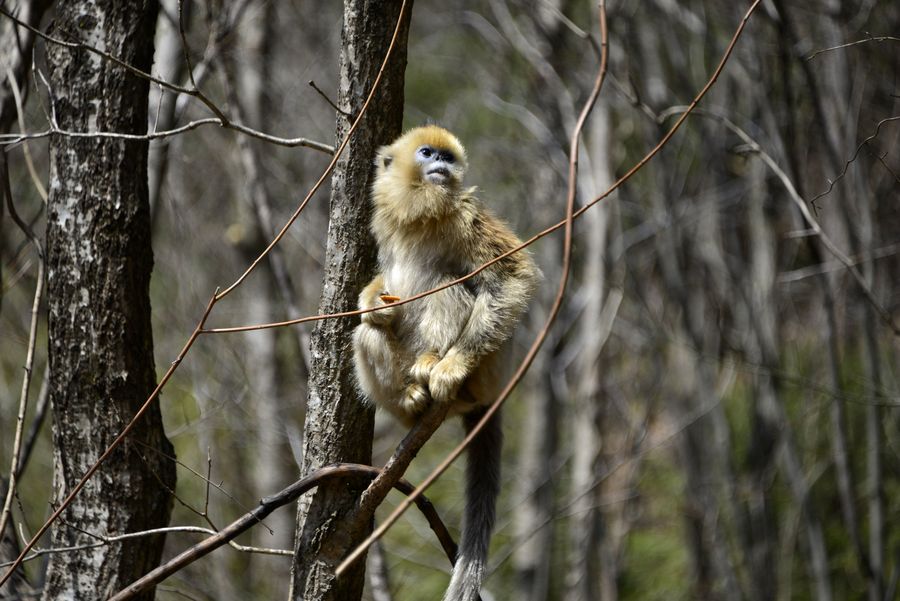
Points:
(849, 161)
(8, 139)
(880, 38)
(32, 341)
(269, 504)
(330, 102)
(107, 540)
(827, 242)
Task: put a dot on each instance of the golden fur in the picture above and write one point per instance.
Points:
(447, 347)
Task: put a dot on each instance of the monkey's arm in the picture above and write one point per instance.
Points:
(503, 292)
(371, 297)
(382, 360)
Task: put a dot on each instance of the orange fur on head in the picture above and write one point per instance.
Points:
(399, 185)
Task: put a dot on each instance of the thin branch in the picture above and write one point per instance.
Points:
(103, 540)
(205, 478)
(880, 38)
(269, 504)
(40, 412)
(220, 118)
(330, 102)
(849, 161)
(804, 210)
(102, 53)
(20, 116)
(8, 139)
(32, 342)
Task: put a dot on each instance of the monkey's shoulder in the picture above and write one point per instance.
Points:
(490, 237)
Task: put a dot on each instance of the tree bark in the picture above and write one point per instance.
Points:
(338, 426)
(99, 263)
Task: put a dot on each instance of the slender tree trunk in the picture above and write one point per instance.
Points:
(16, 44)
(338, 427)
(587, 526)
(99, 262)
(246, 70)
(168, 63)
(534, 516)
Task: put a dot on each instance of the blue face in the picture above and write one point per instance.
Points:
(436, 164)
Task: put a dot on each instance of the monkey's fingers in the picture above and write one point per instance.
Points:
(389, 298)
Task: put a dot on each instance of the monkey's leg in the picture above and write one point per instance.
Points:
(382, 370)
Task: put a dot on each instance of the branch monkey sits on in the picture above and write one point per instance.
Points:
(449, 346)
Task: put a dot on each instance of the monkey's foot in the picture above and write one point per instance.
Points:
(414, 400)
(447, 376)
(421, 369)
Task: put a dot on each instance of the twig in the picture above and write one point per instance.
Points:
(32, 342)
(804, 210)
(40, 412)
(880, 38)
(7, 139)
(849, 161)
(205, 478)
(266, 506)
(107, 56)
(103, 540)
(20, 116)
(330, 102)
(220, 118)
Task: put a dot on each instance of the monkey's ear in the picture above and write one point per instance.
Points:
(383, 159)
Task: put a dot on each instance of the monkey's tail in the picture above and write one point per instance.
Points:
(482, 489)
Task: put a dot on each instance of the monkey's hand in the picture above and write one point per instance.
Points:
(447, 376)
(421, 369)
(370, 298)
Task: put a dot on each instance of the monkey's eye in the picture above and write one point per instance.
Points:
(447, 156)
(426, 152)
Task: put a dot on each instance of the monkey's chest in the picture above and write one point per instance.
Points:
(435, 321)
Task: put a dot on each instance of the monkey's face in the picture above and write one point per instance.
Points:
(436, 165)
(420, 175)
(429, 156)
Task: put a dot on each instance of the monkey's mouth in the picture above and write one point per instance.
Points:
(438, 175)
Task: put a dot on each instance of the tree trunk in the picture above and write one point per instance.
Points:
(99, 262)
(16, 44)
(338, 426)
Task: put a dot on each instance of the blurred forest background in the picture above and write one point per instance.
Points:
(715, 414)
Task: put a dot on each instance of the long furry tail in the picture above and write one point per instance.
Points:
(482, 488)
